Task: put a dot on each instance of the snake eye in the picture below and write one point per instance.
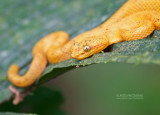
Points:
(86, 48)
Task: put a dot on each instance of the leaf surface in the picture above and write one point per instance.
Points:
(23, 23)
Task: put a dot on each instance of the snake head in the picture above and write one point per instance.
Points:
(85, 48)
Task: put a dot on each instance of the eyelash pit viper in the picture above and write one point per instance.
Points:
(136, 19)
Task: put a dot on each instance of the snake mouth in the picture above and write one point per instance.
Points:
(81, 56)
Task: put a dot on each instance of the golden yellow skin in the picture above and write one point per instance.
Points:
(136, 19)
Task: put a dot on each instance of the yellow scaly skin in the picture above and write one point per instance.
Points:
(136, 19)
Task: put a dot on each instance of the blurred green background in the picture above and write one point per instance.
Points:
(93, 90)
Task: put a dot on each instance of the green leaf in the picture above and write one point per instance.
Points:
(23, 23)
(5, 93)
(8, 113)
